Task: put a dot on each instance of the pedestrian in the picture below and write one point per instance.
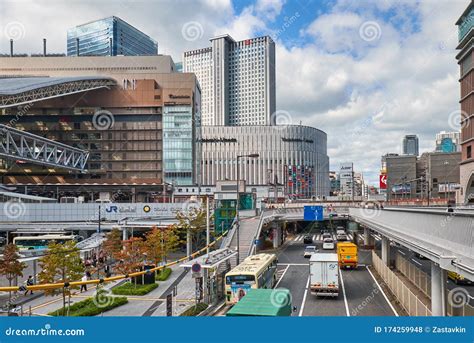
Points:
(29, 282)
(84, 286)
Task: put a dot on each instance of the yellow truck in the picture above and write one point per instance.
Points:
(347, 254)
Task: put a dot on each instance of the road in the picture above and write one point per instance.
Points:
(360, 295)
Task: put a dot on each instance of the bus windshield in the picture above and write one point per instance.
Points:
(239, 278)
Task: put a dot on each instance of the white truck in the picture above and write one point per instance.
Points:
(324, 274)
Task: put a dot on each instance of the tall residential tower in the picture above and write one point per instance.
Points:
(237, 80)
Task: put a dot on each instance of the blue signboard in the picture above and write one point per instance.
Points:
(313, 213)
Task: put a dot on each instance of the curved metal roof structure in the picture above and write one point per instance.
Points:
(19, 91)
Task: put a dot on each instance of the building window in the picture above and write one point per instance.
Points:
(469, 152)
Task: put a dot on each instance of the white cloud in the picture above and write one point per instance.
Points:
(366, 94)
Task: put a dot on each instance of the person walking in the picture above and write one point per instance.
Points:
(29, 282)
(84, 286)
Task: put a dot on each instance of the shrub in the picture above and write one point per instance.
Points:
(194, 310)
(163, 274)
(87, 307)
(129, 288)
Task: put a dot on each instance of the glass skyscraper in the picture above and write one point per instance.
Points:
(109, 37)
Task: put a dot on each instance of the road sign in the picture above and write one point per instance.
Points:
(383, 181)
(169, 305)
(313, 213)
(199, 290)
(196, 269)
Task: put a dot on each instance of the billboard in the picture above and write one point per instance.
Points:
(383, 181)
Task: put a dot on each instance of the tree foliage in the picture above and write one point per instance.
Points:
(193, 222)
(10, 265)
(113, 242)
(160, 242)
(130, 258)
(61, 263)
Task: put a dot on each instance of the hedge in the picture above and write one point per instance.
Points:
(194, 310)
(129, 288)
(163, 274)
(87, 307)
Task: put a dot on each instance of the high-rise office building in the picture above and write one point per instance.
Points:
(346, 176)
(410, 145)
(237, 80)
(465, 60)
(448, 141)
(109, 37)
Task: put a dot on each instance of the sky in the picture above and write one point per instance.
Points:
(365, 72)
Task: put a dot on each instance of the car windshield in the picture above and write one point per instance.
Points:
(310, 248)
(328, 240)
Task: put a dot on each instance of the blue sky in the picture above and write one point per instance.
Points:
(365, 72)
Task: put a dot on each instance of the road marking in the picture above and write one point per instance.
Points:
(383, 293)
(319, 237)
(282, 275)
(292, 264)
(377, 237)
(401, 252)
(418, 263)
(344, 293)
(304, 298)
(362, 236)
(314, 237)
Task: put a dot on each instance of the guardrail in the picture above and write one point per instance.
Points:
(408, 300)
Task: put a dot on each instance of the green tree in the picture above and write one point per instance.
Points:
(11, 267)
(61, 263)
(193, 223)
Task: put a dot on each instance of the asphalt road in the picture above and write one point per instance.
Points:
(360, 297)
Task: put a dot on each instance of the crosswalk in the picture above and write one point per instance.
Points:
(319, 237)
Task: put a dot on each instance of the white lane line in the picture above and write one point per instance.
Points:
(362, 236)
(415, 261)
(282, 275)
(292, 264)
(383, 293)
(314, 237)
(377, 238)
(350, 237)
(319, 237)
(304, 299)
(401, 252)
(344, 293)
(300, 238)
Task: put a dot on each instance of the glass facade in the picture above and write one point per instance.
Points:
(109, 37)
(178, 144)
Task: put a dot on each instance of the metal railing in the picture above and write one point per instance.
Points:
(407, 299)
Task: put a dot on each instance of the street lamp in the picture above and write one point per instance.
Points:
(238, 201)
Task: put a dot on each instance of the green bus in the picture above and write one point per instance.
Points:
(264, 303)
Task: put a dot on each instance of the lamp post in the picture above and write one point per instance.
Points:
(446, 194)
(238, 201)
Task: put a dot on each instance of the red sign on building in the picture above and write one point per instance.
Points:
(383, 181)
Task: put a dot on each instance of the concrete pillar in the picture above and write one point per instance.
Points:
(276, 236)
(366, 236)
(438, 290)
(124, 234)
(386, 250)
